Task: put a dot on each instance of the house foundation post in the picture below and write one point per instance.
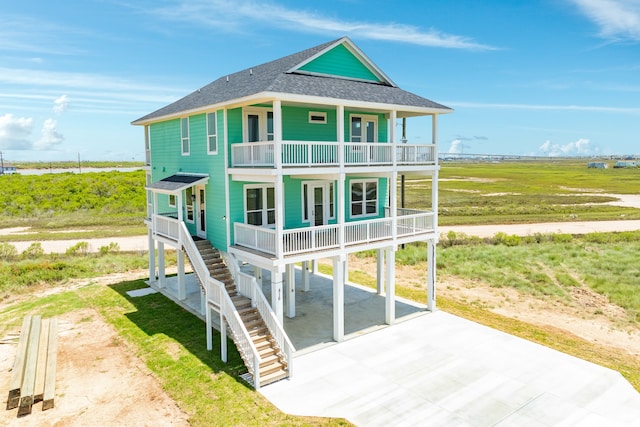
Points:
(290, 286)
(276, 295)
(152, 257)
(162, 280)
(203, 302)
(305, 276)
(431, 275)
(207, 317)
(223, 337)
(390, 298)
(182, 291)
(338, 299)
(380, 272)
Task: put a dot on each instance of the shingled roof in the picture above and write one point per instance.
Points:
(281, 76)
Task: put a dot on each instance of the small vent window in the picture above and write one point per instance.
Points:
(316, 117)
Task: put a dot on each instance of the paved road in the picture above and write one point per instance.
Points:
(139, 243)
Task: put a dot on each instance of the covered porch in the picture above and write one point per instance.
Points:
(312, 327)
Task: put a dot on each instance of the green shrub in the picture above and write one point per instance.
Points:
(7, 251)
(81, 248)
(33, 251)
(113, 247)
(502, 238)
(562, 238)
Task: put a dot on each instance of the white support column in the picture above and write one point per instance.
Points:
(207, 318)
(431, 275)
(203, 302)
(305, 276)
(380, 272)
(314, 266)
(290, 286)
(346, 269)
(223, 337)
(182, 288)
(390, 298)
(393, 116)
(340, 191)
(277, 133)
(152, 257)
(276, 295)
(162, 279)
(338, 299)
(279, 196)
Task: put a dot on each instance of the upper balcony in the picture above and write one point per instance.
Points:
(300, 154)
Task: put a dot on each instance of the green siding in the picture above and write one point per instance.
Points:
(339, 61)
(296, 126)
(167, 159)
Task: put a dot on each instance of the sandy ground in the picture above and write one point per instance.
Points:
(99, 379)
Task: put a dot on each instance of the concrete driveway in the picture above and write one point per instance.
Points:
(441, 370)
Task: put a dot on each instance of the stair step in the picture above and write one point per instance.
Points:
(268, 360)
(273, 377)
(245, 309)
(267, 352)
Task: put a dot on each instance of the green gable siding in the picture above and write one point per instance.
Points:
(339, 61)
(296, 126)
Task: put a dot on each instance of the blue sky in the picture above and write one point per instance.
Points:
(546, 77)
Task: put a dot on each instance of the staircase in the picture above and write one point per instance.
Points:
(273, 366)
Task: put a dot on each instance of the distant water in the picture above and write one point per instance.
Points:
(75, 170)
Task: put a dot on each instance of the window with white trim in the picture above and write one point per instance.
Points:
(260, 205)
(364, 198)
(190, 197)
(212, 133)
(184, 136)
(172, 200)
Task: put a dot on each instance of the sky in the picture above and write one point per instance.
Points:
(536, 77)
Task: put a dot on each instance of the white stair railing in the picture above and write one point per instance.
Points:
(217, 295)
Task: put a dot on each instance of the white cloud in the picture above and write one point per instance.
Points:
(232, 16)
(50, 137)
(61, 104)
(456, 147)
(15, 132)
(616, 19)
(581, 147)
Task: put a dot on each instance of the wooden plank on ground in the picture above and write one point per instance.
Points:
(52, 357)
(18, 365)
(41, 366)
(29, 379)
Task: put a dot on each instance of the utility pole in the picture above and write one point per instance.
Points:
(79, 168)
(2, 162)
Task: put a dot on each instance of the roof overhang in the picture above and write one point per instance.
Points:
(177, 183)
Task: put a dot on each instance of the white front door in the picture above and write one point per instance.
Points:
(319, 205)
(201, 212)
(258, 125)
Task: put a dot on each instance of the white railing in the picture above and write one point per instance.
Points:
(367, 231)
(166, 226)
(258, 300)
(325, 153)
(241, 338)
(365, 153)
(300, 240)
(305, 153)
(411, 154)
(255, 237)
(252, 154)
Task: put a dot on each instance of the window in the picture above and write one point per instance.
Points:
(260, 205)
(184, 132)
(172, 200)
(316, 117)
(364, 198)
(364, 128)
(212, 133)
(189, 199)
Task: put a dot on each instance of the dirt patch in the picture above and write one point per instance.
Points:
(99, 381)
(585, 313)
